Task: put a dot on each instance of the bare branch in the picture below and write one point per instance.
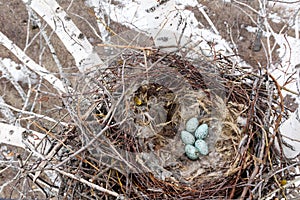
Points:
(92, 185)
(72, 38)
(15, 136)
(44, 73)
(33, 115)
(7, 112)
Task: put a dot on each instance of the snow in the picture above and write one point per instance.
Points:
(288, 76)
(168, 20)
(289, 52)
(171, 19)
(164, 22)
(275, 18)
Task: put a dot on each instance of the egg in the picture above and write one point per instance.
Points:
(191, 152)
(187, 137)
(202, 131)
(202, 147)
(191, 125)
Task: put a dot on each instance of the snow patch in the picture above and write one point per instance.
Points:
(286, 74)
(166, 21)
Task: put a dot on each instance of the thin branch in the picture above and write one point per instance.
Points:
(7, 113)
(32, 114)
(92, 185)
(44, 73)
(200, 8)
(51, 48)
(72, 38)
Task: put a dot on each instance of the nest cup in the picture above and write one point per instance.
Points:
(154, 93)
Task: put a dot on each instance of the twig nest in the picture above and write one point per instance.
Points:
(201, 132)
(201, 146)
(191, 152)
(192, 124)
(187, 137)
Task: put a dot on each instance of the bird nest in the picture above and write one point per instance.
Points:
(142, 103)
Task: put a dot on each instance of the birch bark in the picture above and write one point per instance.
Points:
(73, 39)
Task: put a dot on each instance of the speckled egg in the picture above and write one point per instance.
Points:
(202, 131)
(191, 152)
(202, 147)
(187, 137)
(191, 125)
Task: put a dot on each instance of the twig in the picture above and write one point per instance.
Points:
(82, 148)
(55, 82)
(255, 94)
(45, 187)
(92, 185)
(32, 114)
(290, 183)
(279, 118)
(51, 154)
(7, 113)
(126, 47)
(200, 8)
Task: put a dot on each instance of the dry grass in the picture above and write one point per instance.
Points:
(153, 166)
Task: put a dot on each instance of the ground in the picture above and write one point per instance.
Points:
(231, 23)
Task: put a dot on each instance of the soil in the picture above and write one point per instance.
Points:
(231, 23)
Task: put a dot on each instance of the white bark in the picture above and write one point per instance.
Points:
(11, 74)
(100, 16)
(32, 114)
(72, 38)
(44, 73)
(20, 137)
(7, 113)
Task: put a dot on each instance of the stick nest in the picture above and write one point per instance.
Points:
(147, 96)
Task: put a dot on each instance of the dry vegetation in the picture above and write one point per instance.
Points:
(115, 163)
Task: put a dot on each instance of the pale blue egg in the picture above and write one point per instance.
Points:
(191, 152)
(191, 125)
(202, 147)
(202, 131)
(187, 137)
